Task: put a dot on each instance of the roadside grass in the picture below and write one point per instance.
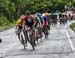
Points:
(72, 26)
(11, 25)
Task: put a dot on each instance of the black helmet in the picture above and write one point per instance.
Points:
(28, 12)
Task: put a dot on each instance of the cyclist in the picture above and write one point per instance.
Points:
(38, 25)
(19, 24)
(45, 17)
(46, 23)
(29, 22)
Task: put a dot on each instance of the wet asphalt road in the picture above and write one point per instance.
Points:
(56, 46)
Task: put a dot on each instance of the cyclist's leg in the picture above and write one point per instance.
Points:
(19, 31)
(25, 34)
(31, 41)
(37, 36)
(46, 31)
(33, 34)
(41, 33)
(19, 34)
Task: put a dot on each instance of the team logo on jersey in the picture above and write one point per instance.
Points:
(29, 19)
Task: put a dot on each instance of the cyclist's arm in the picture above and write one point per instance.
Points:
(43, 21)
(34, 21)
(17, 24)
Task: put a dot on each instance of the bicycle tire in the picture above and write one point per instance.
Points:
(22, 37)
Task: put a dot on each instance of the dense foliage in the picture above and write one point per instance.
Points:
(72, 26)
(11, 9)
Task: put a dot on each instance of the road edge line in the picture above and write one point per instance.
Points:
(69, 39)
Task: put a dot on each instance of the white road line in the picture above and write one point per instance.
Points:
(71, 44)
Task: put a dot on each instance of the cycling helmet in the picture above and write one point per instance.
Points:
(47, 14)
(38, 14)
(22, 17)
(28, 12)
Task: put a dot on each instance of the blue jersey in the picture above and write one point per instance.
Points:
(45, 18)
(41, 18)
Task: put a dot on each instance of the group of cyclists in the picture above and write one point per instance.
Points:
(30, 23)
(34, 25)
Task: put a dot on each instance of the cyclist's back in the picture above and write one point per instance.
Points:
(19, 22)
(38, 18)
(29, 20)
(45, 18)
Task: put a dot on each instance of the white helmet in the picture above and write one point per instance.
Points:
(43, 14)
(22, 17)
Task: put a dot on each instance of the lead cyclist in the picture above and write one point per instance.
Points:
(29, 22)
